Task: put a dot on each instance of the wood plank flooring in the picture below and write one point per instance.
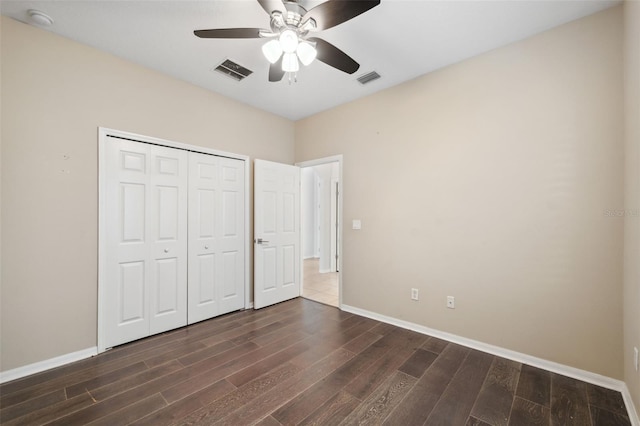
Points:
(302, 363)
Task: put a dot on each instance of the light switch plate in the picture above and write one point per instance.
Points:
(357, 224)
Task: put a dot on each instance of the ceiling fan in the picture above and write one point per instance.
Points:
(291, 25)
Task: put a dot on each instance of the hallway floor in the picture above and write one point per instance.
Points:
(320, 287)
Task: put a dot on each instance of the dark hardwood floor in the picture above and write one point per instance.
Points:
(301, 362)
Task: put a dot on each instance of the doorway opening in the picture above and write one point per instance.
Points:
(321, 207)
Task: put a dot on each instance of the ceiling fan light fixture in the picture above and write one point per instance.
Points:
(306, 53)
(290, 63)
(288, 41)
(272, 51)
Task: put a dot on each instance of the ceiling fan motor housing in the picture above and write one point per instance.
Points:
(292, 20)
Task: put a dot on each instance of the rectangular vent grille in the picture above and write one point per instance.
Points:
(369, 77)
(233, 70)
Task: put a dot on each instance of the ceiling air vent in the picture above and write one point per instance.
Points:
(369, 77)
(233, 70)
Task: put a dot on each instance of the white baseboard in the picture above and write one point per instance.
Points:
(633, 413)
(565, 370)
(37, 367)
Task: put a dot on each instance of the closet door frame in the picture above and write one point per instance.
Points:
(103, 134)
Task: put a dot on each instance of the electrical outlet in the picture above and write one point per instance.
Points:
(635, 358)
(414, 294)
(451, 302)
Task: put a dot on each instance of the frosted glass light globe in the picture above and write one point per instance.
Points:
(307, 53)
(290, 63)
(289, 41)
(272, 51)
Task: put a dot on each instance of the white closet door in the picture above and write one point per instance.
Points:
(145, 219)
(216, 236)
(232, 237)
(167, 215)
(127, 197)
(204, 228)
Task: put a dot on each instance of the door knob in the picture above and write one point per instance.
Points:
(261, 241)
(166, 250)
(206, 247)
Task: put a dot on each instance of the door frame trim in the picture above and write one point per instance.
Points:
(103, 133)
(316, 162)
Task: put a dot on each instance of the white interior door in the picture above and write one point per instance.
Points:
(276, 232)
(216, 236)
(146, 240)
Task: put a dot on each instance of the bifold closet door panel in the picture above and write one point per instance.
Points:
(168, 238)
(203, 231)
(127, 228)
(232, 238)
(216, 236)
(146, 240)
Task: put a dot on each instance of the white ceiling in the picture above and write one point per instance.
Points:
(400, 39)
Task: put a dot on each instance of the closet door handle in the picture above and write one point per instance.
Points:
(206, 247)
(166, 250)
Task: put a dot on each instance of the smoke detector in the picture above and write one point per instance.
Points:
(39, 18)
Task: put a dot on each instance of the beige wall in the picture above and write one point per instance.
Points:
(489, 181)
(55, 94)
(632, 195)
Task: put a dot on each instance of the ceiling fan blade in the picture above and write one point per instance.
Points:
(335, 12)
(230, 33)
(275, 71)
(271, 5)
(331, 55)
